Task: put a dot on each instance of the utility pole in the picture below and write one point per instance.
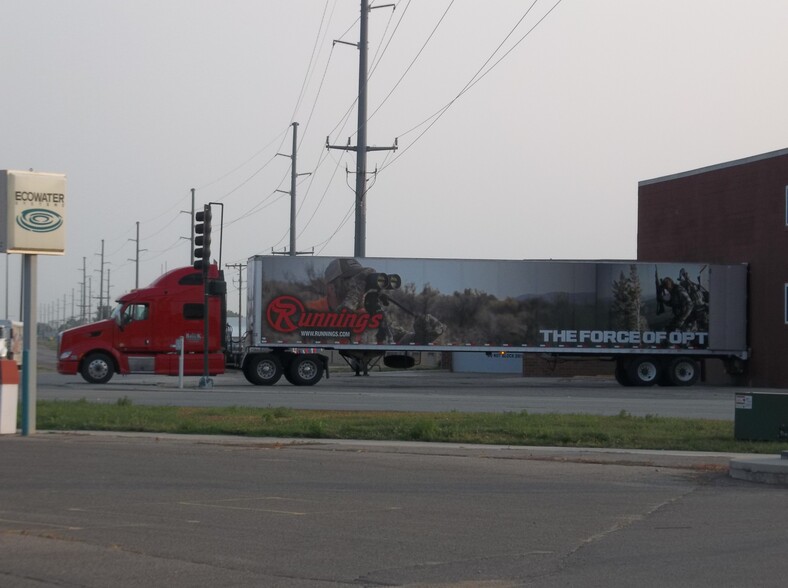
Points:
(241, 267)
(136, 261)
(361, 147)
(6, 287)
(101, 284)
(84, 284)
(191, 224)
(293, 176)
(191, 216)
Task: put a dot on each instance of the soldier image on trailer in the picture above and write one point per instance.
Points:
(690, 311)
(344, 286)
(351, 286)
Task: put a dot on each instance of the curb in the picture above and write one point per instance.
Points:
(759, 469)
(764, 470)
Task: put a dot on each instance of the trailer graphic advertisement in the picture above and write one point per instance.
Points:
(522, 304)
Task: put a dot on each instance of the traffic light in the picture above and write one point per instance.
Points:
(202, 239)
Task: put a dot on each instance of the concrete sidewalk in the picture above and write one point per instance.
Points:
(763, 469)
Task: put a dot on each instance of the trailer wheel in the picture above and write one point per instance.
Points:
(263, 370)
(622, 377)
(664, 378)
(97, 368)
(306, 370)
(644, 371)
(683, 371)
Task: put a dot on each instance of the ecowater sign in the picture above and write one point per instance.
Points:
(34, 212)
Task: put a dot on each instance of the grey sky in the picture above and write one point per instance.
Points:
(137, 102)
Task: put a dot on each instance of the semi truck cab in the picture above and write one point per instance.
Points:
(140, 335)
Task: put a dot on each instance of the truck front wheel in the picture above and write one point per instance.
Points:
(263, 370)
(306, 370)
(97, 368)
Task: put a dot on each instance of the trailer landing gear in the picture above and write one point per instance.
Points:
(361, 361)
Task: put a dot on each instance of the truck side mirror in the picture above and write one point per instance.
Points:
(122, 319)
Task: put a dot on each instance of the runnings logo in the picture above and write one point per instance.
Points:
(39, 220)
(287, 314)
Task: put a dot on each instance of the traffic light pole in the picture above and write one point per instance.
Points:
(205, 380)
(202, 261)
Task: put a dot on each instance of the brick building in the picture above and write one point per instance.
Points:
(730, 213)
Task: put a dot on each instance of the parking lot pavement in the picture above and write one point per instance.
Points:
(131, 510)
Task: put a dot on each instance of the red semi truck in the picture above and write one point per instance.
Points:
(141, 333)
(656, 321)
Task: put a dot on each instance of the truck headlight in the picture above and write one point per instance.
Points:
(67, 355)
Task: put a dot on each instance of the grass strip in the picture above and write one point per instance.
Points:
(622, 431)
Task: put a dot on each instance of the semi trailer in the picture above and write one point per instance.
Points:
(657, 322)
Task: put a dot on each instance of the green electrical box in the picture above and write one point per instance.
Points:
(761, 416)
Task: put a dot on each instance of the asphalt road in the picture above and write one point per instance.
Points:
(103, 510)
(428, 391)
(412, 390)
(125, 510)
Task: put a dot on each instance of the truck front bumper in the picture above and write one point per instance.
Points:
(68, 367)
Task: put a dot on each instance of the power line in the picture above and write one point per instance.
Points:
(239, 166)
(413, 61)
(309, 70)
(476, 78)
(325, 243)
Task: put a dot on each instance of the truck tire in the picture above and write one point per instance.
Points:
(644, 371)
(683, 371)
(97, 368)
(664, 378)
(264, 369)
(622, 377)
(306, 370)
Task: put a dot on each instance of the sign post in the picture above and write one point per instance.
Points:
(34, 207)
